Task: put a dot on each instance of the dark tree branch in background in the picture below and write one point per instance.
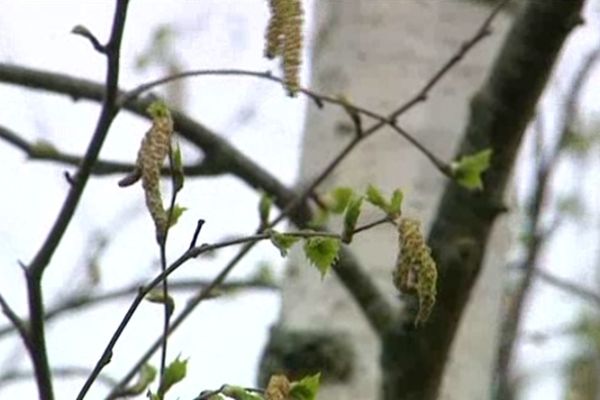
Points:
(45, 152)
(38, 265)
(57, 372)
(538, 234)
(17, 323)
(570, 287)
(499, 115)
(84, 301)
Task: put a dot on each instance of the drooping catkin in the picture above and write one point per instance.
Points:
(284, 39)
(415, 272)
(153, 150)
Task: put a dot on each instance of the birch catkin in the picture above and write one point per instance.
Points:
(153, 150)
(284, 39)
(415, 271)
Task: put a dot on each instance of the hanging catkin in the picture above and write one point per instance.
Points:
(415, 271)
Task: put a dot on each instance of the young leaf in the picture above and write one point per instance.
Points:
(306, 388)
(158, 296)
(319, 219)
(322, 252)
(350, 218)
(375, 197)
(177, 212)
(282, 241)
(174, 373)
(468, 170)
(395, 206)
(339, 199)
(264, 208)
(43, 148)
(145, 378)
(177, 172)
(239, 393)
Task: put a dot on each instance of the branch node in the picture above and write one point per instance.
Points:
(85, 32)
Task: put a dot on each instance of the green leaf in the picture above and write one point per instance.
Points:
(177, 167)
(395, 206)
(577, 143)
(306, 388)
(239, 393)
(319, 219)
(339, 199)
(282, 241)
(174, 373)
(264, 208)
(375, 197)
(158, 296)
(350, 218)
(468, 170)
(177, 212)
(322, 252)
(146, 376)
(158, 109)
(43, 148)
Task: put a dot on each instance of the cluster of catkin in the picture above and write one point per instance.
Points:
(415, 271)
(284, 39)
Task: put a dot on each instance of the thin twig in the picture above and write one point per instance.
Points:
(17, 323)
(353, 109)
(88, 300)
(167, 303)
(41, 260)
(204, 167)
(572, 288)
(57, 372)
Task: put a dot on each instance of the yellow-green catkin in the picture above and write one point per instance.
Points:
(415, 271)
(153, 150)
(284, 39)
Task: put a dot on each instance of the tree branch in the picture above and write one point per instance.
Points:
(87, 300)
(57, 372)
(41, 260)
(499, 115)
(538, 234)
(35, 151)
(17, 323)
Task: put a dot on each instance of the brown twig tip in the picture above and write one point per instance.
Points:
(85, 32)
(131, 178)
(69, 178)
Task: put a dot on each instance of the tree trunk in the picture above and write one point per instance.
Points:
(378, 54)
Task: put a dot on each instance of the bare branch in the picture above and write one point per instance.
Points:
(41, 260)
(321, 98)
(100, 167)
(83, 31)
(57, 372)
(84, 301)
(17, 323)
(569, 287)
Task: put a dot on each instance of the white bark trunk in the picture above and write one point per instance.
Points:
(378, 53)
